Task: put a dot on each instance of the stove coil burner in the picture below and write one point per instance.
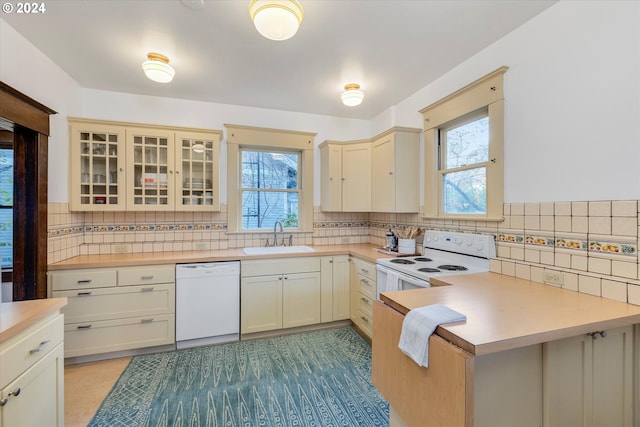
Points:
(449, 267)
(402, 261)
(428, 270)
(422, 259)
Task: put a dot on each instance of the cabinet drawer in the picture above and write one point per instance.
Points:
(264, 267)
(116, 303)
(365, 322)
(365, 304)
(367, 286)
(81, 339)
(81, 279)
(23, 350)
(366, 269)
(146, 275)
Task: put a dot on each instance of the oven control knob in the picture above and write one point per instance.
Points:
(469, 242)
(479, 246)
(427, 239)
(457, 241)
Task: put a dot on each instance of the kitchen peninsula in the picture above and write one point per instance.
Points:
(523, 345)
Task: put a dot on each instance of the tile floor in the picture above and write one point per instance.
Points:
(85, 387)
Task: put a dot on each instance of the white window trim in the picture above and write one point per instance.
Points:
(486, 92)
(263, 138)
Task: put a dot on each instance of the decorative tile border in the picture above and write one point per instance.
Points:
(345, 224)
(509, 238)
(134, 228)
(67, 231)
(609, 247)
(539, 240)
(570, 243)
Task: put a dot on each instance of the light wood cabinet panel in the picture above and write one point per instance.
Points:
(345, 176)
(123, 166)
(589, 380)
(395, 171)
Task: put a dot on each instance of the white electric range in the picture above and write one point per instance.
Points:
(444, 253)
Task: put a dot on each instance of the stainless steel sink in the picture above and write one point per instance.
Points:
(266, 250)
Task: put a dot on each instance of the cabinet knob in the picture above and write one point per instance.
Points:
(3, 402)
(121, 169)
(15, 392)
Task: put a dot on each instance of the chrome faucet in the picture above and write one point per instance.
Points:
(275, 233)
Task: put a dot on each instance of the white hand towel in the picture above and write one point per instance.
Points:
(419, 324)
(393, 282)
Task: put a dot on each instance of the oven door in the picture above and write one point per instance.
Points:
(385, 281)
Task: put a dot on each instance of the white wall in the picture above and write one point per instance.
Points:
(29, 71)
(572, 99)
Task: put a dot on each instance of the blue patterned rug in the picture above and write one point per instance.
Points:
(320, 378)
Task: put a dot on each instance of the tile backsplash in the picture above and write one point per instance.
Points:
(585, 246)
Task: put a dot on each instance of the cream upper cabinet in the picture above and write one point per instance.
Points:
(345, 170)
(395, 171)
(197, 172)
(97, 170)
(151, 169)
(122, 166)
(589, 379)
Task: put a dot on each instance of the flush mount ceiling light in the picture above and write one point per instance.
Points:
(157, 68)
(352, 95)
(276, 20)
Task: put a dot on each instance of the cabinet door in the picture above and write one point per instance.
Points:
(97, 170)
(150, 169)
(613, 378)
(331, 177)
(197, 171)
(260, 303)
(382, 176)
(341, 288)
(40, 400)
(588, 380)
(356, 178)
(300, 299)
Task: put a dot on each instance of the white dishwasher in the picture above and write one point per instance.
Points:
(207, 303)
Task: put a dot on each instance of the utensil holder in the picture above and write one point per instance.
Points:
(406, 246)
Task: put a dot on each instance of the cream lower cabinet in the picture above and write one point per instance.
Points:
(116, 309)
(363, 294)
(32, 376)
(279, 293)
(589, 380)
(335, 288)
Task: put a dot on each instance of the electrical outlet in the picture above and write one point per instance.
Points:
(201, 246)
(120, 249)
(553, 277)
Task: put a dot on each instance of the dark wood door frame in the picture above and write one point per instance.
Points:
(29, 121)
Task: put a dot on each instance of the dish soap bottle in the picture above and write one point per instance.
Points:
(391, 241)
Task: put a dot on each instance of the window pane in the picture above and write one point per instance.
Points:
(465, 191)
(467, 144)
(6, 208)
(261, 209)
(269, 170)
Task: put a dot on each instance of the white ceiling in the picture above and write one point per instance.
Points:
(391, 48)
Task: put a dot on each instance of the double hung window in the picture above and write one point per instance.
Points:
(463, 138)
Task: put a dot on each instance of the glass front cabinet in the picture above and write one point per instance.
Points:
(143, 168)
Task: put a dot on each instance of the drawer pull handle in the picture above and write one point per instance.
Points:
(147, 320)
(365, 281)
(146, 289)
(146, 277)
(84, 326)
(84, 294)
(85, 281)
(366, 300)
(364, 270)
(365, 319)
(15, 392)
(42, 346)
